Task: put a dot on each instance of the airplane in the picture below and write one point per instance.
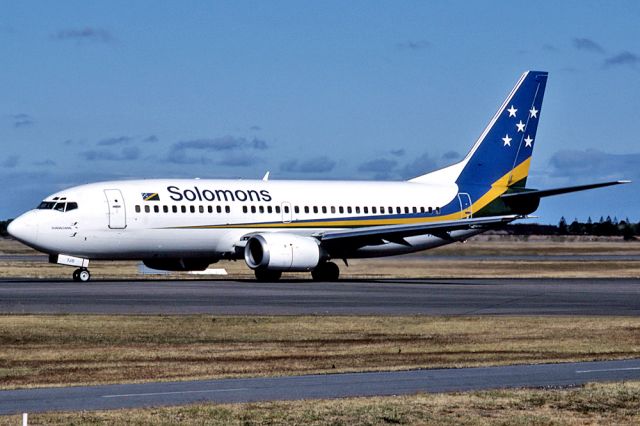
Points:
(281, 226)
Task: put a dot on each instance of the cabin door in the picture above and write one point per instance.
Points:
(465, 205)
(117, 214)
(286, 212)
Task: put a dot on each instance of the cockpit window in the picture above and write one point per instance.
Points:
(59, 206)
(46, 205)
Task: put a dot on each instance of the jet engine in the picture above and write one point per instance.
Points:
(282, 252)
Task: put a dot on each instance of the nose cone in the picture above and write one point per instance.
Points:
(24, 229)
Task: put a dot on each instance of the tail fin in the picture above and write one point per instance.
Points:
(502, 154)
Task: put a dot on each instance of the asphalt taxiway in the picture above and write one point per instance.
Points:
(314, 386)
(493, 296)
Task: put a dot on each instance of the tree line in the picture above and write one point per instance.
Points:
(604, 227)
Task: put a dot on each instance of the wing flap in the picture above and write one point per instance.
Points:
(399, 232)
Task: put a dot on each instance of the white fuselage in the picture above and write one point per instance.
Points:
(207, 218)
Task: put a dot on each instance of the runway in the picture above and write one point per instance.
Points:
(314, 386)
(349, 297)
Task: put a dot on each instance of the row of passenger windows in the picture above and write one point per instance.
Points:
(286, 209)
(342, 210)
(183, 209)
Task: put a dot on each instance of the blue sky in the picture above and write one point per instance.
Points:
(325, 90)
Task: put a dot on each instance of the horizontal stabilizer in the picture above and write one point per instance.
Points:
(539, 193)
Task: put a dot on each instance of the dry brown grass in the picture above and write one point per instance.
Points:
(79, 349)
(483, 263)
(591, 404)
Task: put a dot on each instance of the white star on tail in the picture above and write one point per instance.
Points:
(512, 111)
(507, 140)
(528, 141)
(520, 126)
(534, 112)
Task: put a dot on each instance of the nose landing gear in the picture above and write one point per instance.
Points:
(81, 275)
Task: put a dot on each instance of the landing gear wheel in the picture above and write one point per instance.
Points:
(264, 276)
(76, 275)
(83, 275)
(327, 271)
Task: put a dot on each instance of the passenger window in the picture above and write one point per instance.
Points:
(174, 209)
(349, 210)
(227, 209)
(306, 209)
(278, 209)
(165, 209)
(183, 209)
(147, 209)
(269, 209)
(341, 210)
(219, 209)
(156, 209)
(333, 209)
(296, 209)
(315, 209)
(192, 209)
(382, 210)
(137, 209)
(365, 210)
(415, 210)
(253, 209)
(373, 210)
(406, 210)
(210, 209)
(244, 209)
(398, 210)
(430, 210)
(286, 209)
(358, 210)
(201, 209)
(421, 209)
(261, 209)
(437, 210)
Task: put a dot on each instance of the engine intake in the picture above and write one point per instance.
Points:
(282, 252)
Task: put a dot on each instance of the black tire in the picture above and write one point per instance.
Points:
(327, 271)
(265, 275)
(76, 275)
(84, 275)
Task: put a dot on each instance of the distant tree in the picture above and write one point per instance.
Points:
(575, 228)
(588, 227)
(562, 226)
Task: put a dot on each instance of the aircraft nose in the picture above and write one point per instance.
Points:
(23, 229)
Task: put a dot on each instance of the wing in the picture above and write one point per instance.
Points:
(397, 233)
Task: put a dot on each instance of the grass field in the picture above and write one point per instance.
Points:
(481, 257)
(91, 349)
(592, 404)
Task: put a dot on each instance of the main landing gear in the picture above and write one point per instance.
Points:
(326, 271)
(81, 275)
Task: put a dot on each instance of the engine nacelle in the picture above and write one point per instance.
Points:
(282, 252)
(172, 264)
